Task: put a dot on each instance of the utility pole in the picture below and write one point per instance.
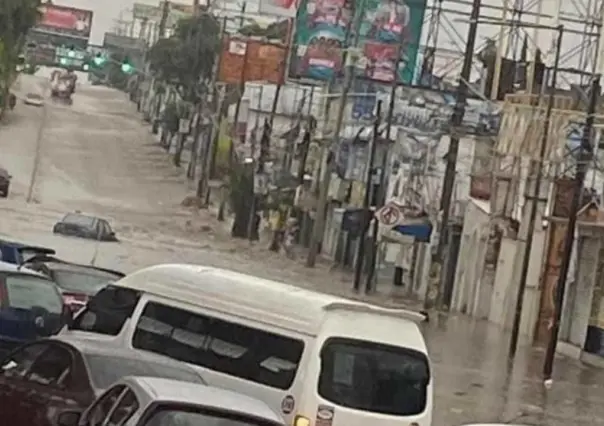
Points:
(450, 171)
(360, 261)
(319, 225)
(217, 99)
(165, 12)
(534, 199)
(381, 200)
(586, 151)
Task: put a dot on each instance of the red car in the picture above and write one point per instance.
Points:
(41, 380)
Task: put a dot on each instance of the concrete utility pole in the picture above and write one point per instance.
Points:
(527, 233)
(450, 171)
(585, 156)
(319, 225)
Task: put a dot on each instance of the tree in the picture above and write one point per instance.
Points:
(274, 31)
(17, 17)
(186, 60)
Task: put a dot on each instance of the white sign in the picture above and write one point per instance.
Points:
(389, 215)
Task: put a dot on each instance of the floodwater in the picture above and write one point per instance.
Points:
(96, 156)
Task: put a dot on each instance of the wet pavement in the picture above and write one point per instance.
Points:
(98, 157)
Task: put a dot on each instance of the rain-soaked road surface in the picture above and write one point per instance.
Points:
(97, 157)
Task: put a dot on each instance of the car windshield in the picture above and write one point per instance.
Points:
(374, 377)
(86, 282)
(78, 219)
(174, 415)
(107, 369)
(27, 292)
(34, 96)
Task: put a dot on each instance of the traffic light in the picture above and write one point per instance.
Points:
(127, 67)
(63, 61)
(99, 60)
(71, 52)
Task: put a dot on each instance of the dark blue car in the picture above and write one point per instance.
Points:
(31, 306)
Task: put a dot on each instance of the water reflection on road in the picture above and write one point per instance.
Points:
(474, 382)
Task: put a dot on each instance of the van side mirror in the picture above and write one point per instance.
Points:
(68, 418)
(68, 317)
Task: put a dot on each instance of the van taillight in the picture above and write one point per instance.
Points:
(301, 421)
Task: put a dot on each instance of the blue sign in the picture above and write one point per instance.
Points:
(364, 100)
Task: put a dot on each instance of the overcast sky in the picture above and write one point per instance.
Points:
(107, 12)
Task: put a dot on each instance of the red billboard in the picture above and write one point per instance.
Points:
(63, 20)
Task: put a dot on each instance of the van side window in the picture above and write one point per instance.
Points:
(107, 311)
(248, 353)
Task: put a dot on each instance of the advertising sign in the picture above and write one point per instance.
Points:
(65, 21)
(321, 28)
(389, 38)
(262, 62)
(176, 12)
(389, 35)
(364, 100)
(281, 8)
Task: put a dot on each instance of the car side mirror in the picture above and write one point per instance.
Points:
(68, 418)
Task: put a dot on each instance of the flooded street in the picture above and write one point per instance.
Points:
(96, 156)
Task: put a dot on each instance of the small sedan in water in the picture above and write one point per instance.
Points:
(149, 401)
(34, 99)
(83, 226)
(41, 380)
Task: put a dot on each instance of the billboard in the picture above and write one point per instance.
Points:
(321, 29)
(389, 36)
(281, 8)
(389, 39)
(67, 21)
(263, 61)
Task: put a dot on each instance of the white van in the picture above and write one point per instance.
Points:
(319, 360)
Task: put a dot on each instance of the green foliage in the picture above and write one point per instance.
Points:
(171, 117)
(17, 17)
(186, 59)
(275, 31)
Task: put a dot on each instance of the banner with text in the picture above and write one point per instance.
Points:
(63, 20)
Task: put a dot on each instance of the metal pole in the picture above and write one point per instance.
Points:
(319, 225)
(534, 197)
(381, 200)
(360, 262)
(585, 151)
(450, 171)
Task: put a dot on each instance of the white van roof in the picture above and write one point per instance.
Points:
(247, 296)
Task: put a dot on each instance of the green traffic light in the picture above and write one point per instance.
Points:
(127, 68)
(63, 61)
(85, 67)
(71, 54)
(99, 60)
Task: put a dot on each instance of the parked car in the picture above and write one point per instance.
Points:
(18, 253)
(5, 179)
(77, 282)
(31, 307)
(34, 99)
(150, 401)
(40, 380)
(83, 226)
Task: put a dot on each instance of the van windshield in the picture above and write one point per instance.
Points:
(374, 377)
(107, 311)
